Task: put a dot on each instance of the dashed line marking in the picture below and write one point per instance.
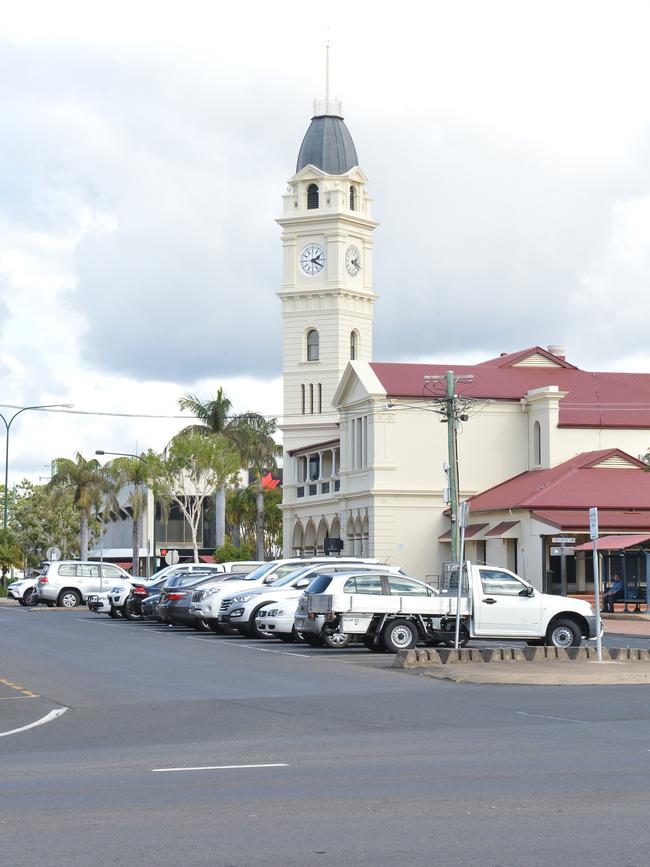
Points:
(222, 767)
(27, 693)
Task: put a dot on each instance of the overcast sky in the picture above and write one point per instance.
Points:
(145, 148)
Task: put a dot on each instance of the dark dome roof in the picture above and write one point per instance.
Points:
(328, 145)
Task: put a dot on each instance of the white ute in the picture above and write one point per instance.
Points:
(391, 613)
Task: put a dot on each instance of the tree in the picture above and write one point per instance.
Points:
(249, 432)
(41, 518)
(88, 483)
(191, 469)
(134, 472)
(10, 553)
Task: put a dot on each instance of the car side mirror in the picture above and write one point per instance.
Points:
(305, 582)
(527, 591)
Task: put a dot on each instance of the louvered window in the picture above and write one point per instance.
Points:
(353, 199)
(312, 196)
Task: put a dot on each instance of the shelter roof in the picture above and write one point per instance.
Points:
(615, 543)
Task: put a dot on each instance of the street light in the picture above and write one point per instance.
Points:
(7, 425)
(153, 539)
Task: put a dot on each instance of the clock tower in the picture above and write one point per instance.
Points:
(326, 294)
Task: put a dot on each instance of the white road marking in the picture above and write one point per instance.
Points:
(53, 714)
(221, 767)
(558, 718)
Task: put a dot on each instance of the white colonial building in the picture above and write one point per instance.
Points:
(363, 447)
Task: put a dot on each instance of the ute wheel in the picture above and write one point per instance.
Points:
(312, 639)
(463, 638)
(335, 640)
(129, 610)
(564, 633)
(201, 625)
(369, 642)
(399, 635)
(69, 599)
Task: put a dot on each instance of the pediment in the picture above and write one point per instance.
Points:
(359, 383)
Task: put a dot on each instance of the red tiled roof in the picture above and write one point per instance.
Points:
(615, 543)
(592, 400)
(578, 519)
(574, 484)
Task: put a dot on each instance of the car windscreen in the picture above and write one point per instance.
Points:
(260, 572)
(320, 584)
(287, 574)
(190, 578)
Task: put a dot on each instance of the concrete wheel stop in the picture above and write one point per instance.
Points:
(529, 665)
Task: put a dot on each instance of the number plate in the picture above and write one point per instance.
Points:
(93, 598)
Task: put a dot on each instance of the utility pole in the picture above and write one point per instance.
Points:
(453, 410)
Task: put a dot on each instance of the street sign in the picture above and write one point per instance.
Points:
(53, 553)
(563, 540)
(593, 523)
(172, 558)
(559, 552)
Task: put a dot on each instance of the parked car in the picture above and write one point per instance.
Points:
(24, 591)
(206, 603)
(67, 583)
(240, 610)
(174, 602)
(99, 603)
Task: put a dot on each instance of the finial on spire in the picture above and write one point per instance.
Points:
(327, 105)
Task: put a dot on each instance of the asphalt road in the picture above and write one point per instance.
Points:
(336, 756)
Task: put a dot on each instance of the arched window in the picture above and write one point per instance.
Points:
(312, 196)
(354, 345)
(353, 199)
(312, 345)
(537, 444)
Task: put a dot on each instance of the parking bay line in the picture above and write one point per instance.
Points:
(556, 718)
(222, 767)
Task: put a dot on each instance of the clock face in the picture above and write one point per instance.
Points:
(312, 259)
(353, 261)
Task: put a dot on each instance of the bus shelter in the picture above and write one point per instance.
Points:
(627, 556)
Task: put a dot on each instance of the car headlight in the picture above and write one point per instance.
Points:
(276, 612)
(210, 592)
(243, 598)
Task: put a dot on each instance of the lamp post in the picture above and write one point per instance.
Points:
(7, 424)
(153, 524)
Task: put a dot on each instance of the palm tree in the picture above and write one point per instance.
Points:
(88, 482)
(10, 553)
(252, 436)
(132, 471)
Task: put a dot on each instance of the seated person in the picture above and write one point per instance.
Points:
(614, 594)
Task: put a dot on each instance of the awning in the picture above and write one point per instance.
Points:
(125, 564)
(206, 558)
(614, 543)
(577, 520)
(470, 531)
(501, 529)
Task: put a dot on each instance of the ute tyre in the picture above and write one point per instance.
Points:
(335, 640)
(370, 643)
(128, 610)
(564, 633)
(398, 635)
(463, 638)
(69, 599)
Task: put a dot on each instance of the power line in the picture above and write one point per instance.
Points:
(123, 414)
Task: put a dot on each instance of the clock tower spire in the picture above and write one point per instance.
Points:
(326, 293)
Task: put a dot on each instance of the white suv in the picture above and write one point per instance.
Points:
(67, 583)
